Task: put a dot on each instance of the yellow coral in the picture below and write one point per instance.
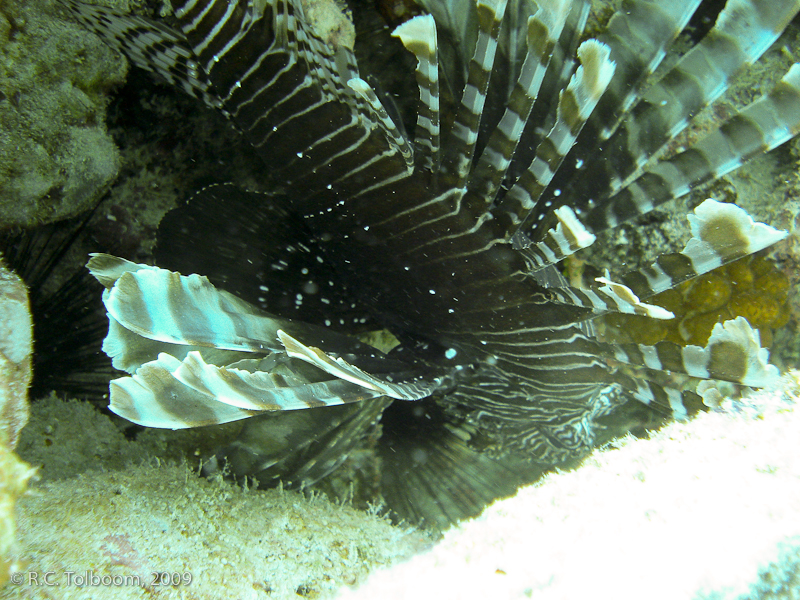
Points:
(751, 287)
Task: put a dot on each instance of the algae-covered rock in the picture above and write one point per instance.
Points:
(15, 377)
(56, 157)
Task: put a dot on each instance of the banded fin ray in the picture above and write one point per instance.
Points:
(149, 45)
(168, 393)
(761, 126)
(744, 30)
(418, 35)
(733, 353)
(721, 233)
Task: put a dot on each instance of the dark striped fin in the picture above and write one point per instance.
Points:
(562, 66)
(638, 36)
(761, 126)
(733, 353)
(464, 135)
(574, 107)
(419, 37)
(382, 118)
(543, 30)
(430, 474)
(608, 297)
(721, 233)
(149, 45)
(409, 390)
(566, 238)
(744, 30)
(666, 399)
(297, 448)
(174, 394)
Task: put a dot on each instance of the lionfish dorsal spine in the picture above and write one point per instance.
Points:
(666, 107)
(418, 35)
(654, 26)
(575, 105)
(557, 243)
(542, 33)
(742, 33)
(766, 123)
(463, 136)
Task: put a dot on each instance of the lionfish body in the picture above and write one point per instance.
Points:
(521, 155)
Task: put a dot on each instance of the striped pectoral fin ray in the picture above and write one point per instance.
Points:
(382, 119)
(655, 25)
(149, 45)
(409, 390)
(761, 126)
(666, 399)
(175, 394)
(129, 351)
(733, 353)
(721, 233)
(607, 296)
(169, 307)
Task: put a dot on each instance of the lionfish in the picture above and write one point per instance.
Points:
(528, 143)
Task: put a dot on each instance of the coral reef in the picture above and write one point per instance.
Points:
(751, 287)
(56, 157)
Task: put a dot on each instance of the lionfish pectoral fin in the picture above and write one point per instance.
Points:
(409, 390)
(149, 45)
(175, 394)
(165, 306)
(721, 233)
(733, 353)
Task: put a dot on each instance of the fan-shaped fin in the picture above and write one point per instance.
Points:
(721, 233)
